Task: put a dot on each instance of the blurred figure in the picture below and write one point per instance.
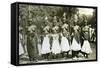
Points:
(91, 34)
(21, 50)
(76, 45)
(65, 37)
(45, 49)
(86, 48)
(32, 42)
(56, 49)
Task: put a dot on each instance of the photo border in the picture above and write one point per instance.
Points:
(46, 4)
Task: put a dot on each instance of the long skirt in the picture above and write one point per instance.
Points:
(39, 48)
(86, 47)
(32, 48)
(75, 45)
(45, 46)
(56, 49)
(64, 44)
(21, 50)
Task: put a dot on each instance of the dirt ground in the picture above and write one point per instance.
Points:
(25, 59)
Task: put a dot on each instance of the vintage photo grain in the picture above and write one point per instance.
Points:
(50, 33)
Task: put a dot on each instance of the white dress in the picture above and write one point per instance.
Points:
(64, 41)
(21, 50)
(56, 49)
(86, 47)
(64, 44)
(45, 45)
(75, 46)
(39, 48)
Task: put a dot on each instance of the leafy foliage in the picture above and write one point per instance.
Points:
(35, 14)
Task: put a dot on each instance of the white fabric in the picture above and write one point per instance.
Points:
(76, 27)
(75, 46)
(90, 32)
(55, 28)
(86, 47)
(21, 51)
(65, 26)
(64, 44)
(46, 28)
(55, 45)
(39, 48)
(45, 45)
(32, 27)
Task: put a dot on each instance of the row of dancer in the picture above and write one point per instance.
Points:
(57, 40)
(58, 43)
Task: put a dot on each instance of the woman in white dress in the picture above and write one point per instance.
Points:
(45, 50)
(22, 46)
(86, 48)
(76, 46)
(56, 49)
(64, 40)
(21, 50)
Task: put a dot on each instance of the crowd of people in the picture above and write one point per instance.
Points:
(58, 40)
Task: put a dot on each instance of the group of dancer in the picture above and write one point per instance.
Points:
(62, 42)
(59, 40)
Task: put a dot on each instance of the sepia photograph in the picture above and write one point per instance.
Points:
(55, 33)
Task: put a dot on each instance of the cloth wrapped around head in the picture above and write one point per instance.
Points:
(55, 29)
(32, 28)
(46, 29)
(65, 26)
(76, 27)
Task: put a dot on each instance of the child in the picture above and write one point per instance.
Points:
(56, 49)
(75, 47)
(86, 49)
(22, 46)
(21, 50)
(45, 50)
(64, 40)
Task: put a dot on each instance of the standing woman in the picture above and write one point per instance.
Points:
(45, 50)
(21, 50)
(56, 49)
(76, 46)
(86, 48)
(64, 40)
(32, 44)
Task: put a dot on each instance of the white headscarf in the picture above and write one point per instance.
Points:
(32, 28)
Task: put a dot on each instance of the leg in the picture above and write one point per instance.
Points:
(58, 56)
(77, 54)
(53, 56)
(67, 55)
(86, 55)
(62, 54)
(48, 56)
(35, 59)
(73, 53)
(43, 55)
